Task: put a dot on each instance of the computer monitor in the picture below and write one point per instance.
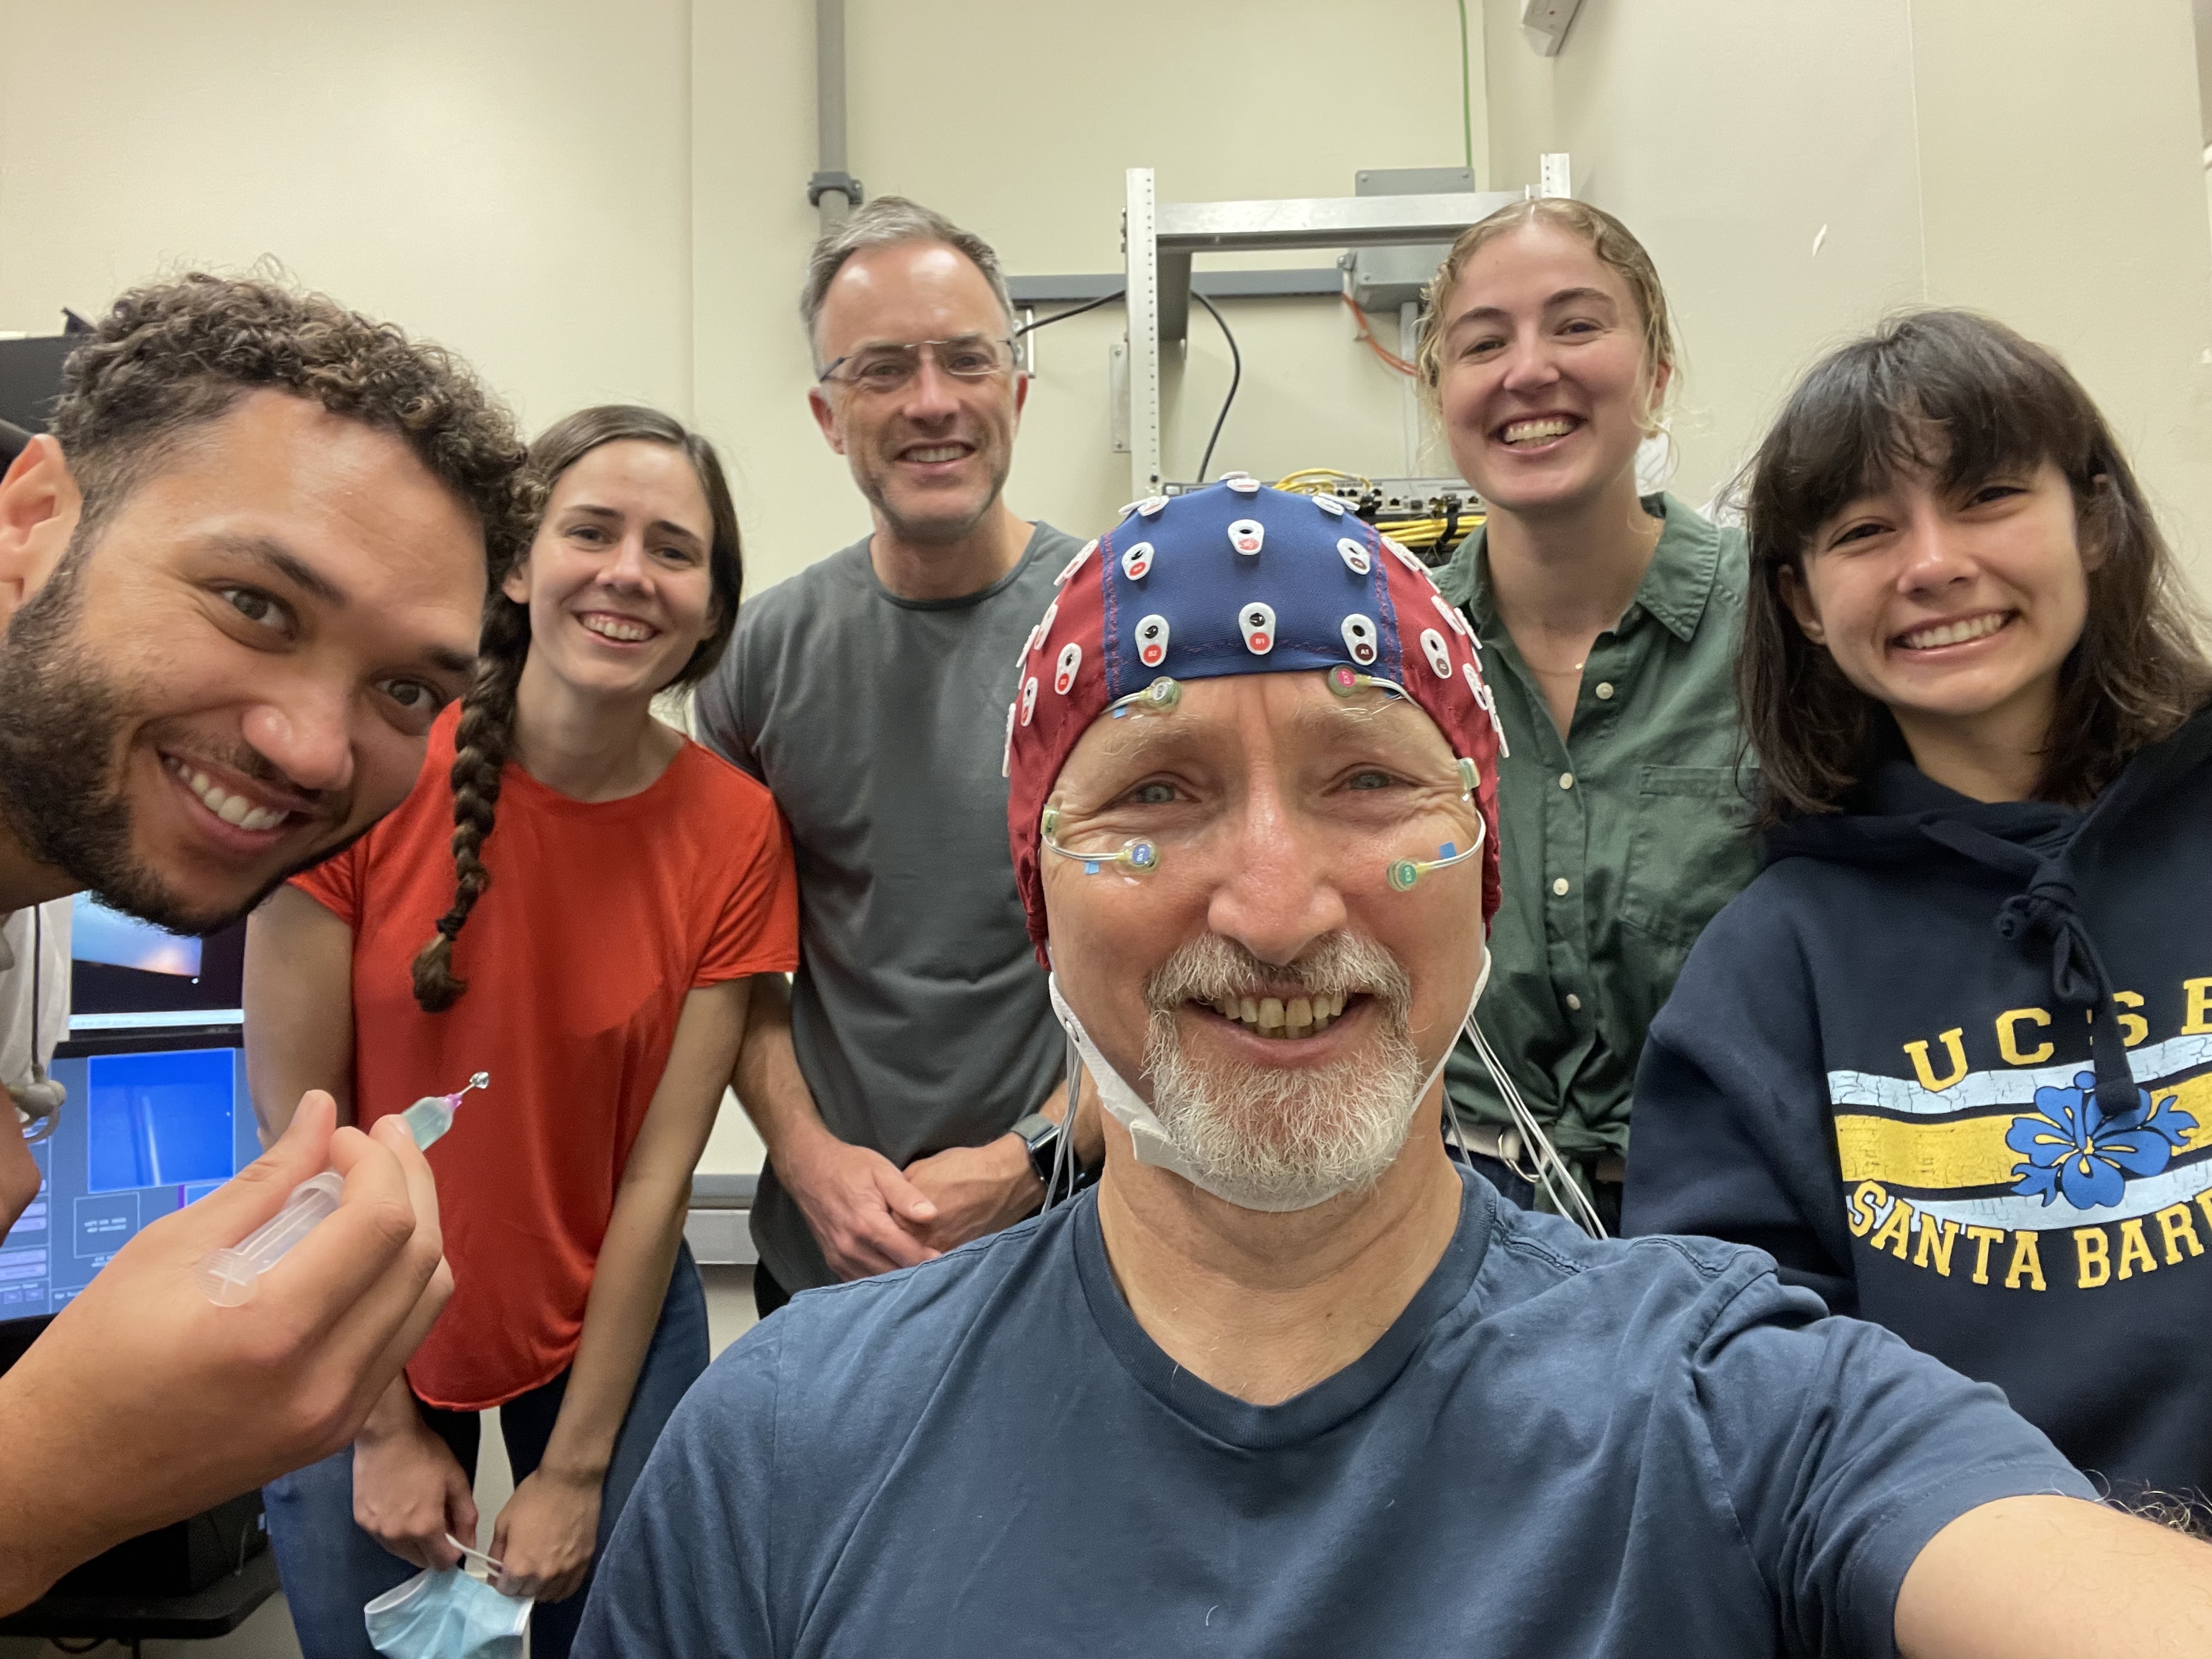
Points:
(152, 1122)
(126, 968)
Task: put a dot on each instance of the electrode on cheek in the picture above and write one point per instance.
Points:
(1404, 873)
(1137, 854)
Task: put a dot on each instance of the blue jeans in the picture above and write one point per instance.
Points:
(331, 1568)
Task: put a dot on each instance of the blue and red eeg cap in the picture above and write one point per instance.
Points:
(1237, 578)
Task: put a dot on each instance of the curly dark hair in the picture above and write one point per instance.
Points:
(173, 355)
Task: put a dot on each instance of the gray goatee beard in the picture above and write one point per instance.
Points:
(1285, 1138)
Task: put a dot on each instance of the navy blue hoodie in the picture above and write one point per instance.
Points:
(1950, 1064)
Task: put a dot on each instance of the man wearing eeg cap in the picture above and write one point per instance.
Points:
(1289, 1381)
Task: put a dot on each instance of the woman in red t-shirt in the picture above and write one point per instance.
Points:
(573, 900)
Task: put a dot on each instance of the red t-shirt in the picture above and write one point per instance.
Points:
(599, 918)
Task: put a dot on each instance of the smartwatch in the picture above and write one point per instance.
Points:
(1040, 1136)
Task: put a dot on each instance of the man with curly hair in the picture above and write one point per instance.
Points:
(238, 578)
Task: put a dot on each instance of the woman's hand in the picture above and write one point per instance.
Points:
(544, 1536)
(409, 1491)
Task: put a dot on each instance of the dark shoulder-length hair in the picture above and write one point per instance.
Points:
(484, 739)
(1961, 398)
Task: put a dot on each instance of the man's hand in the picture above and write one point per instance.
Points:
(144, 1402)
(544, 1536)
(410, 1490)
(977, 1190)
(867, 1218)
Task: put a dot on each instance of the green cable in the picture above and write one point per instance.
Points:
(1466, 89)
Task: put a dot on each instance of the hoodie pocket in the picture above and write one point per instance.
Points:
(1691, 850)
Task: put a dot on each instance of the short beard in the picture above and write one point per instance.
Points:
(930, 532)
(1288, 1139)
(59, 797)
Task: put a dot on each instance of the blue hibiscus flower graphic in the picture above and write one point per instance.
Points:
(2074, 1151)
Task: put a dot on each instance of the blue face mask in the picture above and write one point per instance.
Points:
(447, 1615)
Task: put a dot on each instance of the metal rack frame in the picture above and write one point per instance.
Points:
(1159, 239)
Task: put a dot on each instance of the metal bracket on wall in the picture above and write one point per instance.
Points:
(1159, 239)
(843, 183)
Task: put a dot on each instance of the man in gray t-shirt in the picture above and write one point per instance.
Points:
(869, 693)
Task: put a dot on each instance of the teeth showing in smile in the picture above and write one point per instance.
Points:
(1957, 633)
(937, 452)
(1527, 432)
(618, 628)
(234, 809)
(1300, 1017)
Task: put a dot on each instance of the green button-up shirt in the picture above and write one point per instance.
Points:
(1618, 844)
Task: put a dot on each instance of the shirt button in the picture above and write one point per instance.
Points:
(1560, 887)
(1605, 691)
(1567, 780)
(1574, 1003)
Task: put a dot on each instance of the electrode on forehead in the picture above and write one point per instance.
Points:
(1347, 683)
(1165, 604)
(1162, 695)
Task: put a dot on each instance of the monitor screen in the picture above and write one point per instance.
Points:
(99, 934)
(146, 1130)
(126, 967)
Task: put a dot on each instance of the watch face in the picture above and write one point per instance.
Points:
(1041, 1136)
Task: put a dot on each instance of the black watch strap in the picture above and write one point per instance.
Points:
(1041, 1135)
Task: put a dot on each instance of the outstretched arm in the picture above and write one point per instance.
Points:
(2056, 1579)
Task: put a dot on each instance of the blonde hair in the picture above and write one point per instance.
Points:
(1615, 248)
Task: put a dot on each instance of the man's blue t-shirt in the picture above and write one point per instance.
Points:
(1561, 1448)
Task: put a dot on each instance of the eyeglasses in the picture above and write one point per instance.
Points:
(890, 367)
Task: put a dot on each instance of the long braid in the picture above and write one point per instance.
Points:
(484, 742)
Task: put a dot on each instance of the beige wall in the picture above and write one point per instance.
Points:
(512, 179)
(2039, 159)
(593, 202)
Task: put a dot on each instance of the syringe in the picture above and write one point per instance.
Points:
(228, 1277)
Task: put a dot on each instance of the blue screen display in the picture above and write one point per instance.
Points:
(140, 1136)
(158, 1120)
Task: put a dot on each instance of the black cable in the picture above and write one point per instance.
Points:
(1236, 379)
(1072, 310)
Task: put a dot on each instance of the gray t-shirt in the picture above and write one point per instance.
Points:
(879, 723)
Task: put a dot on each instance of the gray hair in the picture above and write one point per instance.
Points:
(893, 222)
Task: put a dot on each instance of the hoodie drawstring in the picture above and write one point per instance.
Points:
(2078, 979)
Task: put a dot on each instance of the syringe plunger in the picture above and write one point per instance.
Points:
(228, 1276)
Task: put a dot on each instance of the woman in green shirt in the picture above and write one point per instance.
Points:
(1608, 621)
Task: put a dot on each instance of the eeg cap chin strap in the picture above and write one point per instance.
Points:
(1155, 1145)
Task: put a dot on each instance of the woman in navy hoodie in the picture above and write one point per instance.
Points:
(1949, 1058)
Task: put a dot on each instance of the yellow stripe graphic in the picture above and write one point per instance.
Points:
(1972, 1152)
